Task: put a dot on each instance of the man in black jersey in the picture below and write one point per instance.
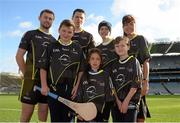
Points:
(84, 38)
(34, 43)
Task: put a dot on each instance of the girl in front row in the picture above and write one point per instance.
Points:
(94, 84)
(126, 77)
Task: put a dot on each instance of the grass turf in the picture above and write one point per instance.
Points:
(163, 108)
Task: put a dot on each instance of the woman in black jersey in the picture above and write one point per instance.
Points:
(139, 49)
(63, 61)
(126, 77)
(94, 84)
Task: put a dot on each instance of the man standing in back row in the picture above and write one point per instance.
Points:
(85, 39)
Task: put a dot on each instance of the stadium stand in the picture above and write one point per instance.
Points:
(165, 68)
(9, 83)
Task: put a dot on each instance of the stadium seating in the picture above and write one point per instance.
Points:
(165, 68)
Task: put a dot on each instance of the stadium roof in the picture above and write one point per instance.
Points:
(165, 48)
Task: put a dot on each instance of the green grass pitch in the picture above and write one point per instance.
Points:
(162, 109)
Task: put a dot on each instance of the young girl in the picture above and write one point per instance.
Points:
(63, 61)
(94, 84)
(126, 77)
(139, 49)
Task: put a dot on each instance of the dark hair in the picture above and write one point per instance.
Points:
(120, 38)
(68, 23)
(87, 65)
(127, 19)
(105, 23)
(78, 10)
(47, 11)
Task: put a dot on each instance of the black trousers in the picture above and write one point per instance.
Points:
(130, 116)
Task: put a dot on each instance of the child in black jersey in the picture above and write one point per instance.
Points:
(109, 55)
(94, 84)
(63, 62)
(126, 77)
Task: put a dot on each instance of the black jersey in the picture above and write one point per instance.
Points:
(35, 42)
(139, 48)
(93, 88)
(63, 63)
(85, 39)
(126, 75)
(108, 54)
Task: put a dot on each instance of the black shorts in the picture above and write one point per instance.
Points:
(130, 116)
(28, 95)
(143, 109)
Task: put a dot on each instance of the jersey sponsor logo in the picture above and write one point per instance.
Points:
(114, 71)
(121, 68)
(39, 37)
(101, 84)
(56, 50)
(130, 70)
(74, 51)
(104, 56)
(65, 60)
(65, 49)
(91, 91)
(133, 44)
(46, 37)
(104, 49)
(45, 44)
(26, 98)
(84, 38)
(76, 41)
(85, 82)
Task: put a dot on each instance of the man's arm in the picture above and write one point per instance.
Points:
(43, 76)
(20, 60)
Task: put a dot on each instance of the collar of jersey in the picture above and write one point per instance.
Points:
(133, 37)
(124, 61)
(47, 33)
(80, 31)
(106, 43)
(95, 73)
(65, 44)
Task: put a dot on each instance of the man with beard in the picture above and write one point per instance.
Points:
(34, 42)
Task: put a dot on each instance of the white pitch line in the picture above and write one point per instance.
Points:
(11, 109)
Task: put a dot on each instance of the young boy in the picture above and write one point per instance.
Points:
(126, 77)
(109, 55)
(63, 61)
